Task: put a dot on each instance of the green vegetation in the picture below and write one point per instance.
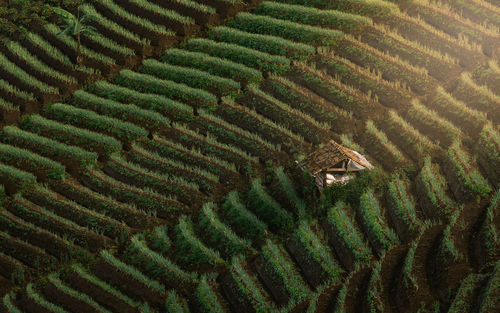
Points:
(311, 16)
(289, 30)
(264, 43)
(252, 58)
(267, 208)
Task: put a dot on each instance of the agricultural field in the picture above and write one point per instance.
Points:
(149, 150)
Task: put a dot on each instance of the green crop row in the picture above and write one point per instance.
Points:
(105, 205)
(251, 120)
(54, 280)
(33, 162)
(191, 77)
(264, 43)
(36, 236)
(198, 6)
(466, 289)
(144, 199)
(393, 67)
(318, 252)
(48, 147)
(335, 91)
(488, 300)
(112, 26)
(95, 122)
(161, 183)
(409, 280)
(375, 8)
(176, 91)
(70, 41)
(476, 95)
(344, 229)
(435, 185)
(242, 219)
(191, 249)
(125, 112)
(420, 51)
(447, 251)
(176, 151)
(278, 266)
(348, 142)
(433, 121)
(82, 273)
(286, 186)
(234, 135)
(213, 65)
(248, 288)
(56, 224)
(296, 96)
(402, 205)
(252, 58)
(159, 239)
(459, 110)
(9, 304)
(111, 44)
(382, 139)
(267, 208)
(7, 106)
(470, 179)
(371, 83)
(381, 235)
(373, 290)
(207, 298)
(209, 145)
(7, 87)
(21, 52)
(489, 144)
(174, 110)
(16, 177)
(489, 231)
(71, 135)
(158, 265)
(296, 120)
(154, 162)
(413, 139)
(88, 218)
(52, 51)
(312, 16)
(131, 271)
(38, 299)
(163, 12)
(219, 234)
(174, 305)
(24, 77)
(119, 11)
(286, 29)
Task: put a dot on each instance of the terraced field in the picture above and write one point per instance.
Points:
(159, 175)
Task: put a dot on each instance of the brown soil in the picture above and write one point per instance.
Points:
(133, 287)
(30, 255)
(200, 17)
(72, 304)
(179, 28)
(275, 288)
(30, 306)
(467, 58)
(225, 9)
(237, 301)
(100, 295)
(63, 86)
(443, 72)
(311, 269)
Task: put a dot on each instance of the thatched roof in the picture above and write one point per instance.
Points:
(330, 155)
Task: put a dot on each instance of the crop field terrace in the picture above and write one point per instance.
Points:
(149, 163)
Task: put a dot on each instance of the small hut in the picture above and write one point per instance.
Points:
(334, 163)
